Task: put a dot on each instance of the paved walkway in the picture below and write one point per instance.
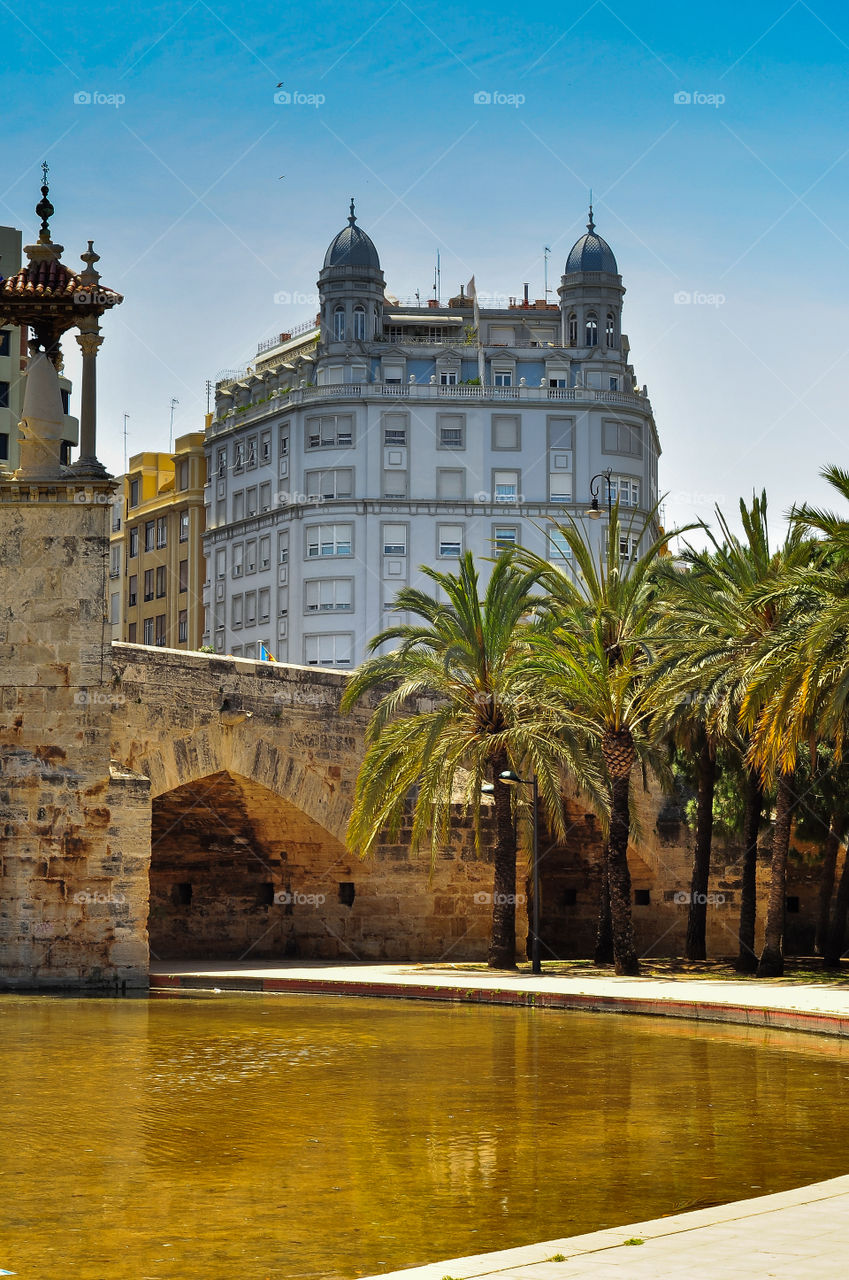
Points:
(794, 1235)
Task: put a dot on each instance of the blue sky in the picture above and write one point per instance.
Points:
(735, 197)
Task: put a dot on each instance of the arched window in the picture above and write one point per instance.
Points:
(592, 330)
(611, 329)
(339, 324)
(573, 330)
(359, 323)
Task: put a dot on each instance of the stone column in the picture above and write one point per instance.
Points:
(87, 463)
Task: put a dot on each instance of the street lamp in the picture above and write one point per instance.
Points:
(511, 779)
(594, 512)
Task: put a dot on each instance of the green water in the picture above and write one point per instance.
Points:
(276, 1137)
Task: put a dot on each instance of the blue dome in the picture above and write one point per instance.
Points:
(591, 253)
(352, 247)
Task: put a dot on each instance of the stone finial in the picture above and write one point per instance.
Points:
(42, 421)
(90, 276)
(44, 208)
(352, 217)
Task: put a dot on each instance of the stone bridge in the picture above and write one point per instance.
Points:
(155, 802)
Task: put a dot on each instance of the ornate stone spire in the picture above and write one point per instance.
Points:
(352, 217)
(44, 208)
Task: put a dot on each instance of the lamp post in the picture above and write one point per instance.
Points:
(511, 779)
(594, 512)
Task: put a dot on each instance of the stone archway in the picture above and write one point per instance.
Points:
(237, 872)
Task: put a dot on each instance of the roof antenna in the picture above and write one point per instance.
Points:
(591, 223)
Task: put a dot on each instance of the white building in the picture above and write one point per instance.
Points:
(368, 444)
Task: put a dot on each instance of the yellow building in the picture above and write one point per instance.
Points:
(157, 566)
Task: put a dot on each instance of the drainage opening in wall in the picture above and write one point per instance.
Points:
(181, 895)
(346, 893)
(642, 897)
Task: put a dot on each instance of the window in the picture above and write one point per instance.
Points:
(134, 493)
(160, 581)
(131, 633)
(221, 464)
(395, 429)
(132, 591)
(339, 324)
(327, 651)
(394, 484)
(221, 563)
(238, 560)
(328, 540)
(4, 444)
(328, 595)
(283, 547)
(116, 516)
(264, 603)
(450, 484)
(161, 532)
(250, 608)
(239, 505)
(450, 543)
(239, 455)
(183, 474)
(629, 547)
(610, 329)
(148, 584)
(330, 430)
(236, 611)
(183, 579)
(265, 447)
(572, 330)
(183, 626)
(558, 547)
(148, 631)
(451, 431)
(393, 374)
(448, 378)
(338, 483)
(250, 556)
(359, 324)
(284, 441)
(251, 451)
(560, 486)
(250, 500)
(134, 541)
(557, 382)
(160, 628)
(394, 539)
(149, 535)
(115, 561)
(503, 378)
(5, 345)
(620, 437)
(613, 384)
(505, 537)
(264, 552)
(591, 330)
(626, 489)
(184, 526)
(560, 433)
(505, 486)
(506, 431)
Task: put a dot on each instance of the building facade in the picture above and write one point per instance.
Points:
(13, 357)
(156, 569)
(384, 437)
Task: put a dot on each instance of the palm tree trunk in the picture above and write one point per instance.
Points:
(697, 914)
(772, 958)
(624, 950)
(829, 865)
(747, 959)
(837, 933)
(502, 947)
(604, 930)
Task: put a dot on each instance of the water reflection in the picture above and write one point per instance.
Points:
(283, 1137)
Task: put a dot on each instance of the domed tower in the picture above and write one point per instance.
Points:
(351, 288)
(591, 293)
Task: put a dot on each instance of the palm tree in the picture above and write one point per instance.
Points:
(722, 617)
(593, 657)
(453, 713)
